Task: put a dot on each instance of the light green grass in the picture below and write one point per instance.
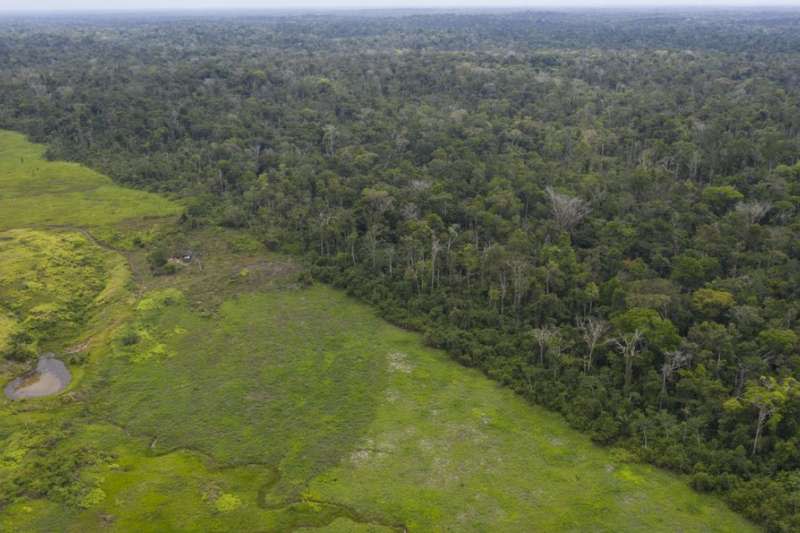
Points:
(225, 398)
(355, 412)
(50, 283)
(276, 378)
(463, 454)
(7, 328)
(34, 191)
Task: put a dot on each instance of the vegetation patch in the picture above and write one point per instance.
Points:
(355, 413)
(34, 191)
(50, 283)
(8, 326)
(237, 386)
(212, 400)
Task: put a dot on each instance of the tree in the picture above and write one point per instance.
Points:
(753, 211)
(519, 268)
(375, 203)
(673, 360)
(543, 337)
(629, 346)
(555, 351)
(592, 331)
(329, 139)
(693, 270)
(568, 211)
(721, 198)
(714, 341)
(661, 333)
(767, 396)
(712, 303)
(21, 346)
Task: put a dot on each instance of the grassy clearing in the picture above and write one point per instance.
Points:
(354, 412)
(464, 454)
(34, 191)
(227, 398)
(226, 263)
(249, 385)
(58, 286)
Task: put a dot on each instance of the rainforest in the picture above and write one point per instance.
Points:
(400, 271)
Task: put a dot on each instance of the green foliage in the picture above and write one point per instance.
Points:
(92, 498)
(160, 299)
(305, 279)
(50, 282)
(767, 397)
(129, 337)
(8, 328)
(157, 258)
(227, 503)
(659, 333)
(692, 271)
(778, 341)
(712, 303)
(721, 198)
(476, 177)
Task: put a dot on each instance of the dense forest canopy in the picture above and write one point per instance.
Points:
(597, 209)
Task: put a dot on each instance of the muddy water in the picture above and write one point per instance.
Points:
(50, 377)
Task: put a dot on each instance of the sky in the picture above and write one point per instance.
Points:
(105, 5)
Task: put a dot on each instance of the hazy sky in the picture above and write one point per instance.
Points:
(62, 5)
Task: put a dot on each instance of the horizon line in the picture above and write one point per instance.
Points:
(749, 6)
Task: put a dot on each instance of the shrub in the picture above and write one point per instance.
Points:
(129, 337)
(305, 279)
(227, 503)
(157, 258)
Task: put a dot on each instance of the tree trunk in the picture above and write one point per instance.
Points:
(762, 418)
(628, 371)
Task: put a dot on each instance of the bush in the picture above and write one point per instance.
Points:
(305, 279)
(703, 482)
(129, 337)
(21, 347)
(227, 502)
(157, 258)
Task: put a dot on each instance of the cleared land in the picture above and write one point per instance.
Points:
(228, 398)
(35, 192)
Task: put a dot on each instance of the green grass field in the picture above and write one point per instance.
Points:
(228, 398)
(35, 192)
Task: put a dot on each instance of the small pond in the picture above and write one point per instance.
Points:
(50, 377)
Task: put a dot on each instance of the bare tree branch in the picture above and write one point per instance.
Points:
(568, 211)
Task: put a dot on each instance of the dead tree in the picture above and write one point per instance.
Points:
(329, 139)
(629, 345)
(324, 219)
(753, 211)
(568, 211)
(673, 361)
(592, 331)
(543, 336)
